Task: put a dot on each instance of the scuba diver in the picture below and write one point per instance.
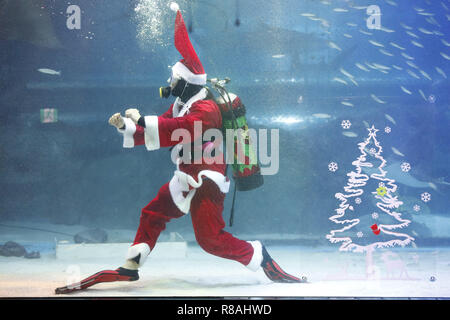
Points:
(198, 188)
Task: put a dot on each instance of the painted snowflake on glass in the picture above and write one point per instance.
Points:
(387, 129)
(346, 124)
(425, 197)
(332, 166)
(405, 166)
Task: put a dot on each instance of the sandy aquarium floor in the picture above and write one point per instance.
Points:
(396, 273)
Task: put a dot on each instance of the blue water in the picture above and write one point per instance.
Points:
(284, 67)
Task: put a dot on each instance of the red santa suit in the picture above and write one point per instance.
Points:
(198, 187)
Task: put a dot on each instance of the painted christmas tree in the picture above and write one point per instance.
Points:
(367, 206)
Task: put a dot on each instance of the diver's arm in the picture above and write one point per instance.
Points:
(133, 135)
(159, 130)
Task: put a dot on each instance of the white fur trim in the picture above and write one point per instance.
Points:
(177, 112)
(140, 248)
(128, 133)
(151, 133)
(181, 181)
(257, 258)
(174, 6)
(179, 69)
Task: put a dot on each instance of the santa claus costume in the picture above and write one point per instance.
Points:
(198, 186)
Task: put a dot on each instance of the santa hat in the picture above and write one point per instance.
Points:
(189, 68)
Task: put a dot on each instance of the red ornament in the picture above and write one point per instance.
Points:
(375, 229)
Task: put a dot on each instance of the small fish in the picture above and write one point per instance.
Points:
(441, 72)
(419, 9)
(365, 32)
(426, 75)
(359, 7)
(395, 150)
(347, 35)
(425, 31)
(366, 124)
(423, 95)
(432, 186)
(354, 82)
(413, 34)
(321, 115)
(405, 90)
(407, 56)
(397, 67)
(370, 66)
(438, 33)
(386, 29)
(426, 14)
(445, 56)
(308, 14)
(445, 43)
(390, 118)
(392, 3)
(334, 46)
(350, 134)
(417, 44)
(346, 103)
(340, 10)
(278, 56)
(374, 97)
(432, 21)
(346, 73)
(49, 71)
(412, 74)
(380, 66)
(376, 43)
(412, 64)
(405, 26)
(386, 52)
(360, 66)
(396, 45)
(340, 80)
(325, 23)
(351, 24)
(444, 6)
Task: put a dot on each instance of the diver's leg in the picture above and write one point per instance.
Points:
(208, 223)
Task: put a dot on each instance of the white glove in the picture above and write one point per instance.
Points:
(116, 120)
(133, 114)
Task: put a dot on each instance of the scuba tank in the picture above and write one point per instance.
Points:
(247, 173)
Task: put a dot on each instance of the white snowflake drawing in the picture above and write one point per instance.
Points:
(425, 197)
(375, 215)
(416, 208)
(372, 151)
(405, 166)
(358, 200)
(381, 184)
(359, 234)
(332, 166)
(346, 124)
(387, 129)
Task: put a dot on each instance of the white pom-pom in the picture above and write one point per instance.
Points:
(174, 6)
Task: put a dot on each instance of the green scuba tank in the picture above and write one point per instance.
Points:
(246, 173)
